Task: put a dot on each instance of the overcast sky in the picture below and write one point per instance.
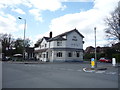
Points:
(58, 16)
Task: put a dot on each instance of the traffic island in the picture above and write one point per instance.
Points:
(93, 69)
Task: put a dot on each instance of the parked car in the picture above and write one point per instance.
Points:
(6, 58)
(105, 60)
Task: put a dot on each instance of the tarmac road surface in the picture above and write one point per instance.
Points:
(57, 75)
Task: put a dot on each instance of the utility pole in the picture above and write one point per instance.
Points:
(95, 48)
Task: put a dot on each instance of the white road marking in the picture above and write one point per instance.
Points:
(100, 72)
(69, 69)
(30, 65)
(79, 70)
(84, 69)
(62, 69)
(111, 73)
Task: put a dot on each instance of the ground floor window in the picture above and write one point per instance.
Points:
(69, 54)
(40, 55)
(43, 55)
(77, 54)
(47, 55)
(59, 54)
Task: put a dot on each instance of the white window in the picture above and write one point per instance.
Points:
(45, 45)
(40, 55)
(51, 53)
(44, 55)
(69, 54)
(77, 54)
(59, 43)
(59, 54)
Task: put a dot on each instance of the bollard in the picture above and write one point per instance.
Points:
(113, 61)
(92, 63)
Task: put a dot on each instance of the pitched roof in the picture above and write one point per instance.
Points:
(46, 38)
(59, 37)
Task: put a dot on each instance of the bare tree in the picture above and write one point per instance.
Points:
(113, 23)
(7, 42)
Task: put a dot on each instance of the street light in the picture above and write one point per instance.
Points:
(95, 48)
(24, 36)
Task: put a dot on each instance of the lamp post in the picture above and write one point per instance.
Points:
(95, 48)
(24, 36)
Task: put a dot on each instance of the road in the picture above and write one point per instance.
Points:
(57, 75)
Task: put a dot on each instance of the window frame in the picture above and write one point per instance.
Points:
(77, 54)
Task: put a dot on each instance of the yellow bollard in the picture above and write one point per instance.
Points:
(92, 63)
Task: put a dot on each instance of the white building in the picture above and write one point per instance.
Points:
(67, 46)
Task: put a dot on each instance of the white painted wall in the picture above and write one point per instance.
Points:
(74, 44)
(55, 58)
(65, 56)
(69, 43)
(43, 44)
(53, 44)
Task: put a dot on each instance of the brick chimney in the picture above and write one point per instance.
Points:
(50, 35)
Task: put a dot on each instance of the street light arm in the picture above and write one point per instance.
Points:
(19, 18)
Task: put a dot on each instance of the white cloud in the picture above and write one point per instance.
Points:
(36, 7)
(37, 14)
(40, 5)
(7, 23)
(85, 21)
(18, 10)
(64, 7)
(51, 5)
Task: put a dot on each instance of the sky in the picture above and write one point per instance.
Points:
(58, 16)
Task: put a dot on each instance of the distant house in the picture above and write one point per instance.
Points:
(90, 50)
(67, 46)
